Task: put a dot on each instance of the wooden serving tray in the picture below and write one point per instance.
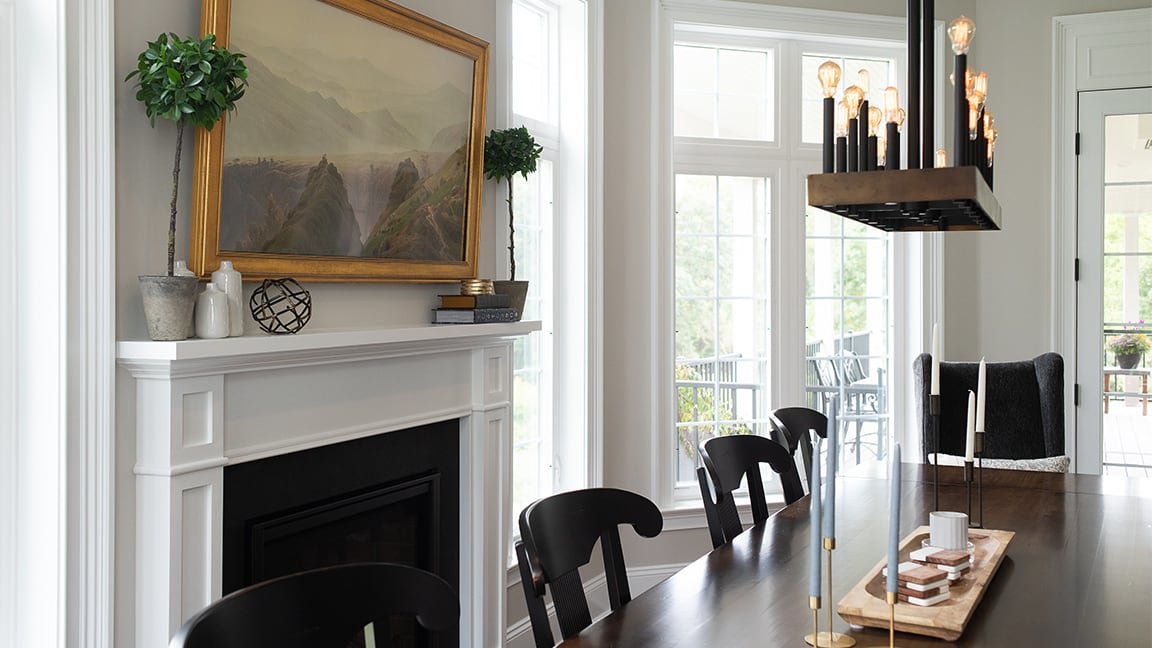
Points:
(866, 604)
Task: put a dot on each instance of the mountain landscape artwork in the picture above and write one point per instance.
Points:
(354, 140)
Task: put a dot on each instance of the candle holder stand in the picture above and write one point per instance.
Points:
(829, 639)
(891, 597)
(814, 638)
(934, 416)
(978, 450)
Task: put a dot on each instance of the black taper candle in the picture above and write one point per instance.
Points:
(892, 149)
(913, 83)
(928, 61)
(871, 152)
(960, 107)
(981, 147)
(853, 146)
(862, 151)
(841, 154)
(829, 133)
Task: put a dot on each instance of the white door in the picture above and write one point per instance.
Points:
(1114, 293)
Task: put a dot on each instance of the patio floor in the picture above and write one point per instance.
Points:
(1127, 440)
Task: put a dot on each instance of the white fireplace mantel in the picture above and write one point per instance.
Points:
(204, 404)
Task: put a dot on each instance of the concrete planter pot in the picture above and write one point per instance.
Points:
(518, 290)
(1128, 360)
(168, 303)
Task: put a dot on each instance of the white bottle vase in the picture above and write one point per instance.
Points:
(228, 280)
(212, 309)
(180, 269)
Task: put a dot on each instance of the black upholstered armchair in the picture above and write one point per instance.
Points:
(1024, 407)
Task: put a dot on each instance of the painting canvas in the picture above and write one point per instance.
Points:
(356, 152)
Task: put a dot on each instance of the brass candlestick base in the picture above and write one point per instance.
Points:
(829, 639)
(832, 640)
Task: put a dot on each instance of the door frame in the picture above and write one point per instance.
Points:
(1116, 36)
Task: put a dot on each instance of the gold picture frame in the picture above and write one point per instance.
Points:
(350, 158)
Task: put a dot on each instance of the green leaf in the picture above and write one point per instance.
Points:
(173, 76)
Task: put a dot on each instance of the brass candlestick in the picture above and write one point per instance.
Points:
(831, 639)
(934, 415)
(891, 597)
(812, 639)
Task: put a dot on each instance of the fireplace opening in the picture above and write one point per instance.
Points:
(392, 497)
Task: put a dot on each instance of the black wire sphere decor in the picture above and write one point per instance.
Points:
(281, 306)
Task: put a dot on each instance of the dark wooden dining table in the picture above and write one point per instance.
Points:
(1077, 573)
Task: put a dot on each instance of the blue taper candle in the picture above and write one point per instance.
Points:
(830, 476)
(814, 519)
(894, 520)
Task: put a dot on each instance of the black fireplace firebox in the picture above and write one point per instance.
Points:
(392, 497)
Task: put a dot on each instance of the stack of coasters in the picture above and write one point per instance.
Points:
(920, 584)
(954, 562)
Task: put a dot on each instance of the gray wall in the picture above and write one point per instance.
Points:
(144, 174)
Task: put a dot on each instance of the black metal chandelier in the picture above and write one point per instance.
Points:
(863, 179)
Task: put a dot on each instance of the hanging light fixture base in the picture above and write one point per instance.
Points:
(909, 200)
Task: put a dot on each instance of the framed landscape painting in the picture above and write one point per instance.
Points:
(356, 153)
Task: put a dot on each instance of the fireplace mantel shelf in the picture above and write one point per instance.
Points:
(138, 354)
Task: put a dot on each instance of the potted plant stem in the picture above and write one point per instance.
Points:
(186, 81)
(506, 153)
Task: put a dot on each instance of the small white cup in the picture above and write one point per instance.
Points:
(949, 529)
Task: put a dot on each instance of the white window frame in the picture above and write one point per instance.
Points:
(917, 301)
(571, 327)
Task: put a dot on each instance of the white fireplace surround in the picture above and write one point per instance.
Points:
(204, 404)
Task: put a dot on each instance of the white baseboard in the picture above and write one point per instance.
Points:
(640, 579)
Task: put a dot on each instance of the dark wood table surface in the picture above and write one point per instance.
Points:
(1077, 573)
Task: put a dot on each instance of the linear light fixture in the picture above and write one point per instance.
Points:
(863, 179)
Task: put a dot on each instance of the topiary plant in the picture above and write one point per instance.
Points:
(187, 81)
(506, 153)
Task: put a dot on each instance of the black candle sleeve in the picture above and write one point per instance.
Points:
(853, 146)
(960, 107)
(829, 144)
(862, 151)
(928, 62)
(841, 154)
(892, 148)
(872, 152)
(914, 84)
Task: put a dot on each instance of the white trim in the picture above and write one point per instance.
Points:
(91, 302)
(38, 600)
(9, 343)
(1069, 77)
(595, 242)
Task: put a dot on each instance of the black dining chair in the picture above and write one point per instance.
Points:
(1024, 407)
(792, 427)
(730, 459)
(557, 534)
(323, 608)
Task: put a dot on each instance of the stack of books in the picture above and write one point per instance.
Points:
(953, 563)
(474, 309)
(920, 584)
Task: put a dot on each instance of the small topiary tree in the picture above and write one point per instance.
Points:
(506, 153)
(187, 81)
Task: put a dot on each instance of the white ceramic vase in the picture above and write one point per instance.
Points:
(212, 313)
(180, 269)
(228, 280)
